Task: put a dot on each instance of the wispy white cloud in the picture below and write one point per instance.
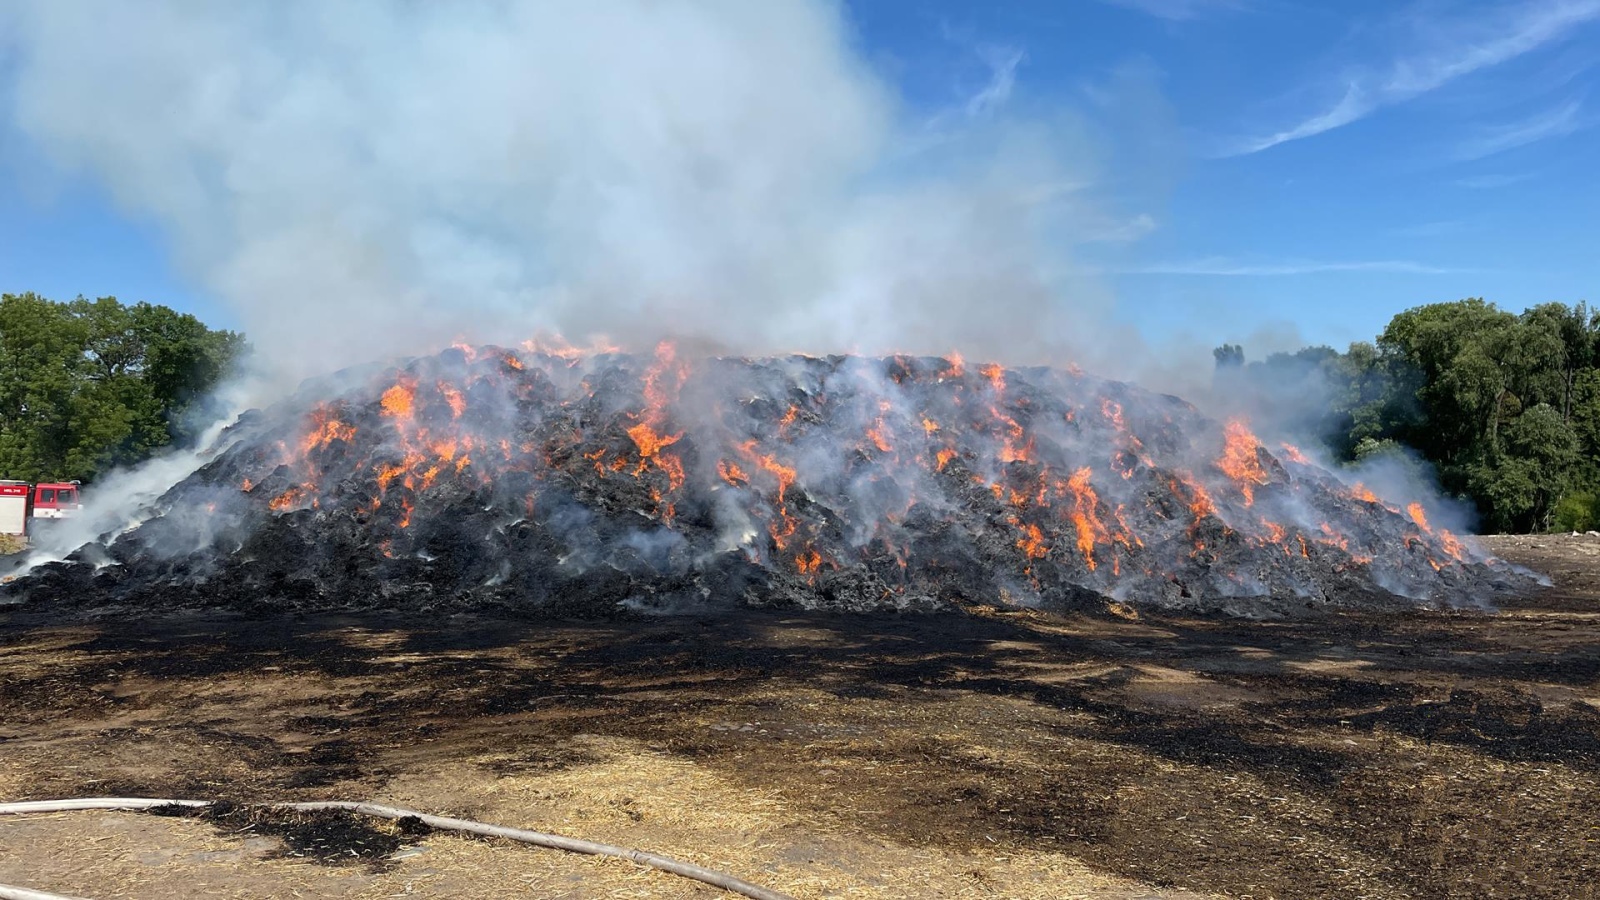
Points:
(1494, 180)
(1450, 51)
(1177, 10)
(1551, 123)
(1225, 267)
(1357, 103)
(1003, 62)
(945, 124)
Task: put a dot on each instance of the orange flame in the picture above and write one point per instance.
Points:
(397, 401)
(1200, 504)
(732, 474)
(1448, 542)
(1084, 517)
(770, 464)
(1293, 454)
(879, 432)
(647, 435)
(452, 396)
(1241, 459)
(285, 500)
(995, 374)
(1112, 410)
(784, 527)
(1033, 544)
(649, 442)
(1419, 516)
(387, 472)
(1275, 532)
(1451, 544)
(325, 428)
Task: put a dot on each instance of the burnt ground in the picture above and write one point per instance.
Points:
(1008, 754)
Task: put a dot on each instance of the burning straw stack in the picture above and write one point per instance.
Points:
(595, 483)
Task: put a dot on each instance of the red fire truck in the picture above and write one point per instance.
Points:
(22, 504)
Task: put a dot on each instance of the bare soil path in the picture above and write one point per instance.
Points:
(1006, 755)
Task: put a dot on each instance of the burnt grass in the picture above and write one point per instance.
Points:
(1430, 755)
(330, 836)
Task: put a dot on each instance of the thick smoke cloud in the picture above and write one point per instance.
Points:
(365, 178)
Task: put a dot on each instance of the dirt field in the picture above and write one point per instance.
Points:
(1008, 755)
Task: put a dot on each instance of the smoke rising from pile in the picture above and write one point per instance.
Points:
(366, 178)
(584, 484)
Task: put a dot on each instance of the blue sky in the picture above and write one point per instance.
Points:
(1306, 169)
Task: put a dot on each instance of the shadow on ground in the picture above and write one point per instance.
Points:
(1386, 756)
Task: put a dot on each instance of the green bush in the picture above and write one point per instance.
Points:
(1578, 511)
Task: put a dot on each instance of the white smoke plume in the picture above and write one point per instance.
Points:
(371, 177)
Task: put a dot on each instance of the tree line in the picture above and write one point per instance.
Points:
(1504, 406)
(88, 385)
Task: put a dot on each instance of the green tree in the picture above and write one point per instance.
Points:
(1578, 330)
(87, 385)
(1506, 407)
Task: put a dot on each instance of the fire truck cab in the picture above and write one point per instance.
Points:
(22, 503)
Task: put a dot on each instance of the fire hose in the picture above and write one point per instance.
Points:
(442, 823)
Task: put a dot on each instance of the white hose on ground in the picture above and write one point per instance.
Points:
(43, 806)
(442, 823)
(12, 892)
